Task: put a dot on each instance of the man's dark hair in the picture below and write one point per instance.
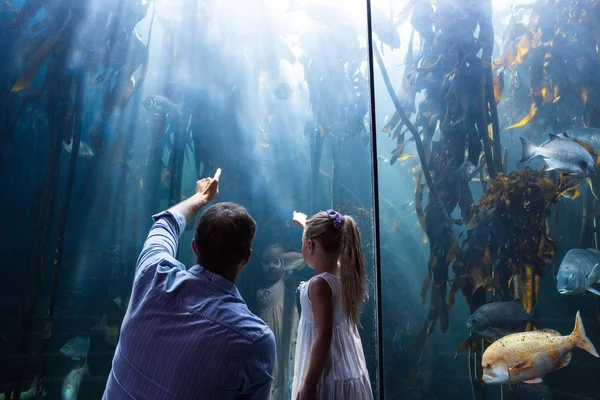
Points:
(223, 236)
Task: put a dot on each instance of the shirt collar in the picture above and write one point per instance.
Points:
(222, 282)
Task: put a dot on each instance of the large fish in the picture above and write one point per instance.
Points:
(501, 318)
(76, 348)
(578, 271)
(277, 308)
(529, 356)
(562, 154)
(72, 382)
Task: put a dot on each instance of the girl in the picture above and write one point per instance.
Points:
(330, 363)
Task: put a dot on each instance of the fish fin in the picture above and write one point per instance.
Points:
(580, 337)
(464, 346)
(592, 290)
(529, 149)
(533, 381)
(565, 361)
(594, 276)
(555, 136)
(519, 367)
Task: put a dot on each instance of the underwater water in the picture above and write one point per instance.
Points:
(110, 111)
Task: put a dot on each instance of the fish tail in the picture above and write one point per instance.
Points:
(529, 149)
(581, 340)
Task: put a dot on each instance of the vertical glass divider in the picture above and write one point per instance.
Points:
(375, 177)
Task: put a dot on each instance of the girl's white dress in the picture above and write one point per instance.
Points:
(345, 376)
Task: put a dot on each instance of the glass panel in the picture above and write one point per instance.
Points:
(466, 80)
(110, 112)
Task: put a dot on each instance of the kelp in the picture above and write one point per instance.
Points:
(507, 231)
(505, 245)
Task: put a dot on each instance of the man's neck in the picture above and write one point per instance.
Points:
(230, 275)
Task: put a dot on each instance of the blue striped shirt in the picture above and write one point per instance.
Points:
(187, 334)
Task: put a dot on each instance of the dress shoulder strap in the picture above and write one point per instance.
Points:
(332, 280)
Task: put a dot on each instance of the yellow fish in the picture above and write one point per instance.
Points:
(111, 333)
(529, 356)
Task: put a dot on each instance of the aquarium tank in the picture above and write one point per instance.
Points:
(463, 137)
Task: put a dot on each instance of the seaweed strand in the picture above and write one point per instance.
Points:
(61, 231)
(435, 198)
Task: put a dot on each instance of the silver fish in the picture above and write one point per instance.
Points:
(292, 260)
(578, 271)
(501, 318)
(72, 382)
(562, 154)
(276, 260)
(160, 105)
(76, 347)
(84, 149)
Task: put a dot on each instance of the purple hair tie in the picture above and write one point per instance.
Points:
(337, 218)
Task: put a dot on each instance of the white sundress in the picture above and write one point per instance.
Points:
(345, 376)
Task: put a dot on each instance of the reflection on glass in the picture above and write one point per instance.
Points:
(474, 226)
(110, 112)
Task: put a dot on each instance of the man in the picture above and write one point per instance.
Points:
(189, 334)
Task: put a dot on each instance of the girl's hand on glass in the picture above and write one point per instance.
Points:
(299, 219)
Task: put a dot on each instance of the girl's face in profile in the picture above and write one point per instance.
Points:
(308, 247)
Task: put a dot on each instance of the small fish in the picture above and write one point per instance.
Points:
(111, 333)
(562, 154)
(85, 151)
(160, 105)
(468, 170)
(578, 271)
(76, 347)
(283, 91)
(72, 382)
(501, 318)
(529, 356)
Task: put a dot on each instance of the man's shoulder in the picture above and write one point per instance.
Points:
(247, 324)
